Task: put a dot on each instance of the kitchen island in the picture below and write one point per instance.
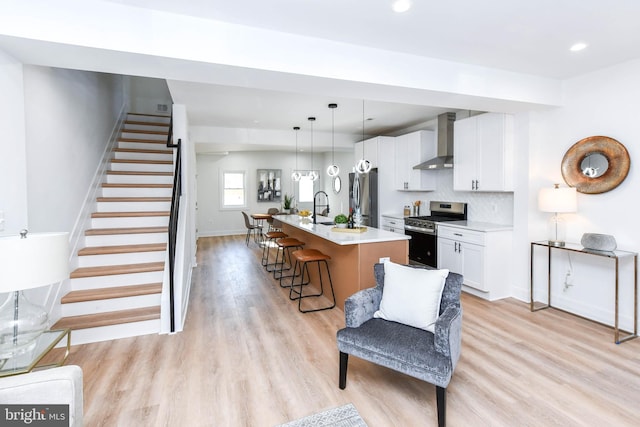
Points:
(352, 254)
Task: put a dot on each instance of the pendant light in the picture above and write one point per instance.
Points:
(295, 175)
(363, 165)
(313, 175)
(333, 170)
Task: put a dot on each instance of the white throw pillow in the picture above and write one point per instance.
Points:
(411, 295)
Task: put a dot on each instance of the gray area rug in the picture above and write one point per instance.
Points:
(343, 416)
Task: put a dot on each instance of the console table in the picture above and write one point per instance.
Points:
(616, 256)
(28, 361)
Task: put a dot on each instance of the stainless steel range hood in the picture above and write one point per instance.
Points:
(445, 145)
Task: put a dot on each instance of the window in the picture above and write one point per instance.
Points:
(305, 190)
(234, 194)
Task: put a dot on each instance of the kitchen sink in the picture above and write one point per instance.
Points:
(326, 223)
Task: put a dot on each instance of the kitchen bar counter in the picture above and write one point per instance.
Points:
(372, 235)
(352, 254)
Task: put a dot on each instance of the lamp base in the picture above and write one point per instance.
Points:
(21, 323)
(557, 243)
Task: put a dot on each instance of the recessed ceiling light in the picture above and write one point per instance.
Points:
(400, 6)
(578, 47)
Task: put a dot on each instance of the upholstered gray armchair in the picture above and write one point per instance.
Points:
(431, 357)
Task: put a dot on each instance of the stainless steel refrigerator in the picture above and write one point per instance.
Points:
(368, 197)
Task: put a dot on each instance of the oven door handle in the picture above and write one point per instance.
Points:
(419, 230)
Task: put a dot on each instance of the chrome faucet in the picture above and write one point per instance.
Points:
(315, 196)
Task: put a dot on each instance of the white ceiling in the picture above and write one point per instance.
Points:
(531, 38)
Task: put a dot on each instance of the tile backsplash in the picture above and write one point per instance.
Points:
(484, 207)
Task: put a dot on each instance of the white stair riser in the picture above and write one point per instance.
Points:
(139, 179)
(147, 118)
(114, 332)
(119, 259)
(97, 282)
(143, 145)
(120, 222)
(126, 239)
(111, 304)
(133, 206)
(163, 128)
(138, 135)
(141, 167)
(136, 192)
(133, 155)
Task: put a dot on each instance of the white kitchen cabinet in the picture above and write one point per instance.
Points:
(395, 224)
(412, 149)
(483, 153)
(479, 256)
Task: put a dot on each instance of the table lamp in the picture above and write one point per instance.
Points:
(26, 262)
(557, 200)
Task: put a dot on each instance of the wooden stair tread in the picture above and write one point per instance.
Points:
(150, 162)
(122, 249)
(142, 140)
(112, 292)
(146, 173)
(136, 122)
(150, 132)
(129, 214)
(164, 116)
(142, 151)
(124, 230)
(108, 318)
(112, 270)
(107, 185)
(134, 199)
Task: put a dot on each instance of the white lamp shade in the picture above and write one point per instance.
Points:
(559, 200)
(39, 259)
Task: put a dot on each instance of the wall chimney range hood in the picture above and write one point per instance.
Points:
(445, 145)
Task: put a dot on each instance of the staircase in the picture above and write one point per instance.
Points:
(117, 287)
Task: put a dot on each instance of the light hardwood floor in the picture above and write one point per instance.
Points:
(248, 358)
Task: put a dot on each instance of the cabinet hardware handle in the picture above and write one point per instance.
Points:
(473, 184)
(457, 234)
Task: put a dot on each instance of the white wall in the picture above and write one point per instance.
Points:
(146, 94)
(70, 116)
(13, 161)
(599, 103)
(213, 221)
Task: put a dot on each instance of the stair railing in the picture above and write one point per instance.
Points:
(173, 220)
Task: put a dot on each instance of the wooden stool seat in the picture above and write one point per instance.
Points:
(309, 255)
(288, 242)
(269, 237)
(285, 245)
(275, 234)
(302, 258)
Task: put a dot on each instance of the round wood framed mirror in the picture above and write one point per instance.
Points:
(596, 164)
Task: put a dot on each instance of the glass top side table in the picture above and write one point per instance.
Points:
(30, 360)
(616, 256)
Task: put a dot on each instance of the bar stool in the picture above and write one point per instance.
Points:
(268, 242)
(285, 246)
(303, 258)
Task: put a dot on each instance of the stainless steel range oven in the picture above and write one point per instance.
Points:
(423, 245)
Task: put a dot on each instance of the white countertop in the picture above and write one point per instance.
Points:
(476, 225)
(372, 235)
(398, 215)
